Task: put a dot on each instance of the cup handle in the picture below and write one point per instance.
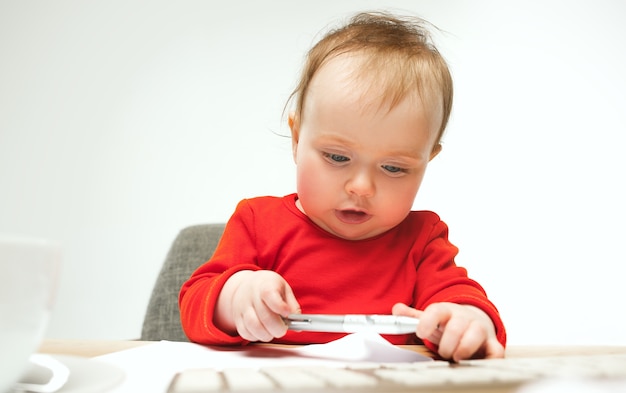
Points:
(60, 374)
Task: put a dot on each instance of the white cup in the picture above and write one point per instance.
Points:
(29, 272)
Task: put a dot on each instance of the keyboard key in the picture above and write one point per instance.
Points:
(340, 377)
(293, 378)
(247, 379)
(197, 381)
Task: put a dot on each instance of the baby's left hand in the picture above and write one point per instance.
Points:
(460, 331)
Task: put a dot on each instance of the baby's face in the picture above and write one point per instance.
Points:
(359, 162)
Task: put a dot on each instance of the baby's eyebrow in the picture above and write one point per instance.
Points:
(333, 138)
(403, 153)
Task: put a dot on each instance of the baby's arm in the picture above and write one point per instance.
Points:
(460, 331)
(252, 304)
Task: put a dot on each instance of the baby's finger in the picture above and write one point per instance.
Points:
(268, 324)
(250, 327)
(470, 342)
(432, 322)
(275, 305)
(493, 348)
(243, 331)
(292, 302)
(451, 337)
(279, 300)
(275, 326)
(404, 310)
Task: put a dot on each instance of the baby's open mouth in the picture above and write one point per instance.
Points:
(352, 216)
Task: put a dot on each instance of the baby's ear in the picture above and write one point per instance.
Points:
(436, 150)
(294, 125)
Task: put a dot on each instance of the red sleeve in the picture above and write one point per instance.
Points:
(198, 295)
(439, 279)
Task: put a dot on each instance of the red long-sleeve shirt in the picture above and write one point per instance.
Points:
(412, 263)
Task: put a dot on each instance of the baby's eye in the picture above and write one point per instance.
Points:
(336, 157)
(393, 169)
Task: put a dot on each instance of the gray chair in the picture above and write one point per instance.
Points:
(192, 247)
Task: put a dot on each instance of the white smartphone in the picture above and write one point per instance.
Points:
(352, 323)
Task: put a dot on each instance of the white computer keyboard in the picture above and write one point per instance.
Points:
(473, 375)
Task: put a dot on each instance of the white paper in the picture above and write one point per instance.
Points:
(361, 347)
(150, 368)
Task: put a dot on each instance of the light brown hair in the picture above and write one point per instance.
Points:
(399, 53)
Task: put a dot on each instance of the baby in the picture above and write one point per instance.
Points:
(370, 110)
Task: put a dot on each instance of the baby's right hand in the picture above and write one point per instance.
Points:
(258, 302)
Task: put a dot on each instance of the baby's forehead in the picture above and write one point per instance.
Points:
(373, 81)
(346, 85)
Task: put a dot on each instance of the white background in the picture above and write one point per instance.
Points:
(121, 122)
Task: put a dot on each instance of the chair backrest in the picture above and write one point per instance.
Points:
(192, 247)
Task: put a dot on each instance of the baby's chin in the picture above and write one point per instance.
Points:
(355, 231)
